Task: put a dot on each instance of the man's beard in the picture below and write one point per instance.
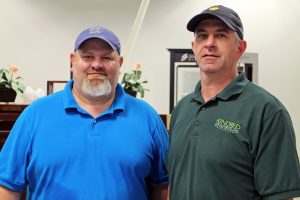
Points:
(96, 88)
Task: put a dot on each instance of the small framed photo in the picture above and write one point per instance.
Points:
(54, 86)
(187, 76)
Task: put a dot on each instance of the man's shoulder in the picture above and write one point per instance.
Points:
(262, 98)
(260, 93)
(46, 102)
(186, 100)
(133, 102)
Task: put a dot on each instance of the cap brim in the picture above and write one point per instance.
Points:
(97, 37)
(193, 23)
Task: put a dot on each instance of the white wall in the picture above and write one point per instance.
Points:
(38, 36)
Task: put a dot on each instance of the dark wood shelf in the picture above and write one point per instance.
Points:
(9, 113)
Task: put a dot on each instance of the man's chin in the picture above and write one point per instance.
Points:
(96, 81)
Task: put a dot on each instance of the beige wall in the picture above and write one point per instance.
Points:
(38, 35)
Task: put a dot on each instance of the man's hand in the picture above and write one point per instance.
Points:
(6, 194)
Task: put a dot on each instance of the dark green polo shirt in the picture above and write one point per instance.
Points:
(239, 145)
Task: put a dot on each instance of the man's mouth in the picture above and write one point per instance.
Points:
(209, 55)
(96, 75)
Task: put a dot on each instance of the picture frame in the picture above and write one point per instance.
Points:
(185, 60)
(187, 75)
(55, 85)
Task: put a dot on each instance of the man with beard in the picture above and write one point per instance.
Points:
(91, 140)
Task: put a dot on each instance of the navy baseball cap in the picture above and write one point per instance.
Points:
(100, 33)
(227, 15)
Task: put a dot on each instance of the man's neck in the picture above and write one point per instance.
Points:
(96, 105)
(213, 84)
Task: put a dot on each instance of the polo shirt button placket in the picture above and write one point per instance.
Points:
(94, 132)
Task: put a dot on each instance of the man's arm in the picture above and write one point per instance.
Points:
(6, 194)
(158, 192)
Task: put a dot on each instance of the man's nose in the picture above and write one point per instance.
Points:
(210, 42)
(97, 65)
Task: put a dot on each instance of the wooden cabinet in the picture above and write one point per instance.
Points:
(8, 115)
(166, 120)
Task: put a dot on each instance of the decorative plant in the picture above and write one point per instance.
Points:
(8, 80)
(132, 81)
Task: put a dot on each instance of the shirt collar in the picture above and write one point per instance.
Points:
(68, 98)
(237, 86)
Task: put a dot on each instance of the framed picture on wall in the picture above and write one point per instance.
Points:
(54, 86)
(182, 65)
(186, 78)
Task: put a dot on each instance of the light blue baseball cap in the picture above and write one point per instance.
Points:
(100, 33)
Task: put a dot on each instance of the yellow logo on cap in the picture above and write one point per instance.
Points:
(214, 8)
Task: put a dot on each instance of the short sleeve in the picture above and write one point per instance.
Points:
(159, 173)
(14, 156)
(276, 167)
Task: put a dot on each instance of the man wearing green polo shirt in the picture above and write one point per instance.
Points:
(230, 139)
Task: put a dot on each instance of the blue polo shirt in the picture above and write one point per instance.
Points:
(61, 152)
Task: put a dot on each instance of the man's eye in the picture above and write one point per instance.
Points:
(220, 35)
(107, 58)
(87, 57)
(201, 36)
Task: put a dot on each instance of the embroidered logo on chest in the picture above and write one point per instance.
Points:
(227, 126)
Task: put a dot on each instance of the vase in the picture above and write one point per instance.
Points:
(7, 94)
(131, 92)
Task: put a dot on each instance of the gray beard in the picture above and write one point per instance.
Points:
(96, 90)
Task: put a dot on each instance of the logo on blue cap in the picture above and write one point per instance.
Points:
(100, 33)
(96, 30)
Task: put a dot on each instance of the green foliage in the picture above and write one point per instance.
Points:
(131, 81)
(8, 80)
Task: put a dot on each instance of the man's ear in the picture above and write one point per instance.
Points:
(121, 59)
(242, 48)
(72, 57)
(193, 46)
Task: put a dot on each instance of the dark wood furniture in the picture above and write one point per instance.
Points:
(8, 115)
(166, 120)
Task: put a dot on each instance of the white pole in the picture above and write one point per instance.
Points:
(136, 28)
